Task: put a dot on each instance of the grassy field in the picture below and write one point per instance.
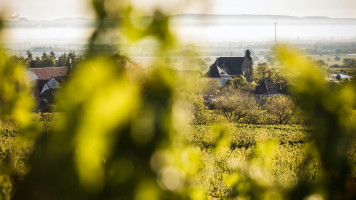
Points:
(330, 60)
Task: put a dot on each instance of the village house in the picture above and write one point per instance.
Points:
(267, 88)
(47, 81)
(339, 77)
(226, 68)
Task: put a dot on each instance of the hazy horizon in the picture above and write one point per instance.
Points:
(50, 9)
(193, 29)
(31, 29)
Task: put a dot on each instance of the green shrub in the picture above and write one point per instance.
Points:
(236, 106)
(281, 109)
(198, 112)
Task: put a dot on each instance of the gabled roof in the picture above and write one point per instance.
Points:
(267, 86)
(213, 72)
(48, 72)
(226, 67)
(233, 65)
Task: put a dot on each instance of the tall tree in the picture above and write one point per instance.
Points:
(62, 60)
(29, 55)
(30, 61)
(38, 62)
(44, 56)
(47, 61)
(72, 59)
(264, 71)
(52, 55)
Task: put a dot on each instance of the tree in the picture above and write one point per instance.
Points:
(349, 62)
(320, 63)
(18, 60)
(29, 60)
(72, 59)
(29, 55)
(62, 60)
(280, 108)
(335, 66)
(52, 55)
(38, 62)
(237, 106)
(44, 56)
(283, 83)
(209, 86)
(48, 61)
(195, 104)
(264, 71)
(240, 83)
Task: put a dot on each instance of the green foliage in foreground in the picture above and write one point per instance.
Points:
(15, 152)
(121, 133)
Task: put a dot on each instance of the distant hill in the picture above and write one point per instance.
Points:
(248, 16)
(207, 19)
(190, 19)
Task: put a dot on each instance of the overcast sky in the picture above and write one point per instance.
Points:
(53, 9)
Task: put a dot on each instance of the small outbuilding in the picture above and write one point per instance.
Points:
(337, 77)
(267, 88)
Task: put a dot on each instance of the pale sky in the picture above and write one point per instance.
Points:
(54, 9)
(46, 9)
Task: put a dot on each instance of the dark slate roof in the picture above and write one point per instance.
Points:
(213, 72)
(226, 66)
(268, 87)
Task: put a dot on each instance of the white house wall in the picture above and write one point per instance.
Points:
(53, 83)
(32, 75)
(45, 87)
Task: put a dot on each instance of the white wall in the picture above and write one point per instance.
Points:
(53, 83)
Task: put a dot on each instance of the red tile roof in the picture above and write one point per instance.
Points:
(48, 72)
